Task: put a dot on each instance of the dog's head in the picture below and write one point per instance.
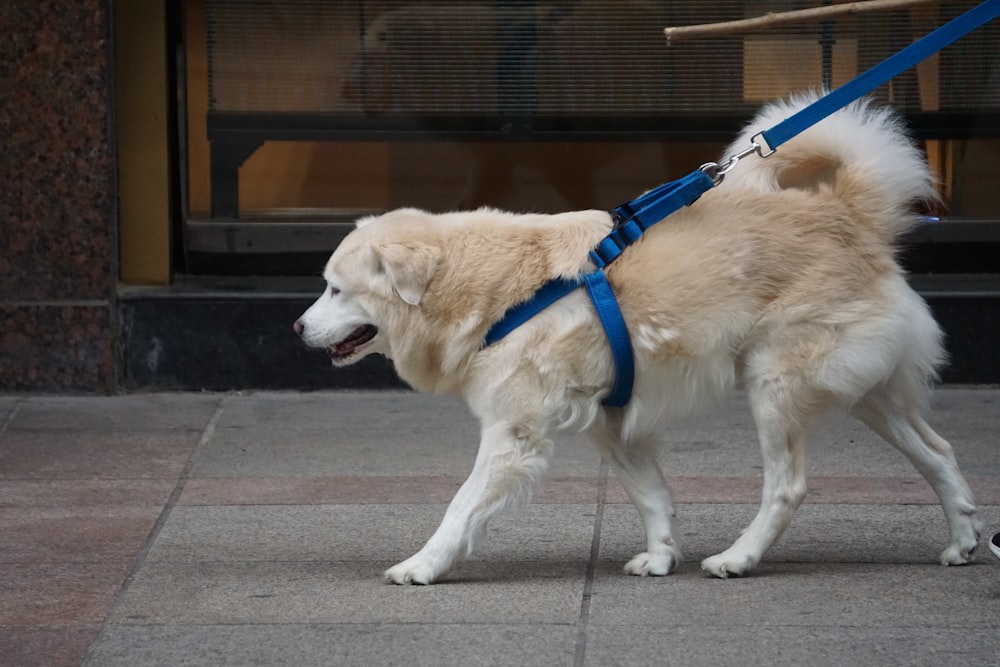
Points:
(376, 279)
(423, 289)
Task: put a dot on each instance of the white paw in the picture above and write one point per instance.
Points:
(956, 555)
(964, 539)
(727, 564)
(413, 570)
(651, 565)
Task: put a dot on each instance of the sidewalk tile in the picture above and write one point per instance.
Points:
(399, 489)
(426, 644)
(512, 592)
(135, 412)
(51, 646)
(805, 595)
(74, 535)
(84, 493)
(38, 454)
(815, 644)
(58, 593)
(361, 533)
(328, 436)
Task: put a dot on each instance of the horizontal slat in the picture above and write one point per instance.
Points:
(249, 238)
(561, 57)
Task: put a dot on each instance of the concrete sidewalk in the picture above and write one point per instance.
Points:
(210, 529)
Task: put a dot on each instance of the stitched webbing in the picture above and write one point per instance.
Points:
(635, 217)
(607, 309)
(546, 295)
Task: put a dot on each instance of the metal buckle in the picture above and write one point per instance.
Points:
(760, 142)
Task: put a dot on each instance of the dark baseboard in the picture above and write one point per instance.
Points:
(237, 335)
(220, 342)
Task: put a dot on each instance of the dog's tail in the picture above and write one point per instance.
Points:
(861, 152)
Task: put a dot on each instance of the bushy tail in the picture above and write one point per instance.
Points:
(862, 152)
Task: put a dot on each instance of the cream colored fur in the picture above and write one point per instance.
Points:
(783, 278)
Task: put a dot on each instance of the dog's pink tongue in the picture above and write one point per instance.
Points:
(346, 347)
(360, 336)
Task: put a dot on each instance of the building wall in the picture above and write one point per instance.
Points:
(58, 249)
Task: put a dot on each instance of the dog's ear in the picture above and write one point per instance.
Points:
(408, 267)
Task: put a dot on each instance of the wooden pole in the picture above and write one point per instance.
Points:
(772, 19)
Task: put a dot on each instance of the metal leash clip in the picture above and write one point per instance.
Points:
(718, 172)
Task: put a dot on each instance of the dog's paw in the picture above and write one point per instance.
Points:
(411, 571)
(957, 555)
(651, 565)
(964, 540)
(727, 565)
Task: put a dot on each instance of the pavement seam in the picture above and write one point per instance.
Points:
(583, 623)
(10, 416)
(161, 520)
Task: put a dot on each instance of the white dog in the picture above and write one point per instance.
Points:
(783, 278)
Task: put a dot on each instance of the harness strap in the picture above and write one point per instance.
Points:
(546, 295)
(607, 309)
(635, 217)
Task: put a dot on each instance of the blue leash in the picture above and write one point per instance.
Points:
(868, 81)
(633, 218)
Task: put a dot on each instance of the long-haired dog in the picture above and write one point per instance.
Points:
(783, 279)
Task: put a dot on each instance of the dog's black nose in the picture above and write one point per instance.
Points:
(298, 327)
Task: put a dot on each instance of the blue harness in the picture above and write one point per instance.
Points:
(633, 218)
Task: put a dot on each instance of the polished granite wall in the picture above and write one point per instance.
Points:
(58, 250)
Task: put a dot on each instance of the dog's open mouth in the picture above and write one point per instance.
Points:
(349, 345)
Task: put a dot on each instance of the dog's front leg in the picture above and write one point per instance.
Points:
(509, 461)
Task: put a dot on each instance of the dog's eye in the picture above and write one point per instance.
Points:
(334, 291)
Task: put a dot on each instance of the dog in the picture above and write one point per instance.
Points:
(782, 280)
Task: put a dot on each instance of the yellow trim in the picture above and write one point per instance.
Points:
(143, 151)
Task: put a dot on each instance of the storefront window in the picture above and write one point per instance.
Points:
(300, 116)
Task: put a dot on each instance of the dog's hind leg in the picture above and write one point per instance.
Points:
(509, 462)
(933, 457)
(783, 411)
(636, 467)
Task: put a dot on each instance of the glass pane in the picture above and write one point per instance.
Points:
(318, 110)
